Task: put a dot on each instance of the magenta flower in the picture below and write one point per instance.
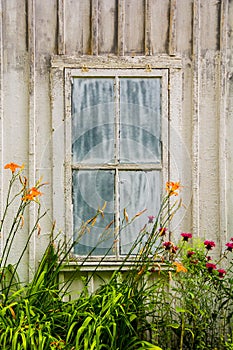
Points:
(167, 245)
(208, 258)
(221, 273)
(152, 270)
(174, 249)
(151, 219)
(229, 246)
(170, 246)
(190, 253)
(209, 244)
(195, 262)
(231, 239)
(186, 236)
(210, 267)
(162, 231)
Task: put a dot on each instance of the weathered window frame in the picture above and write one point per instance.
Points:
(63, 68)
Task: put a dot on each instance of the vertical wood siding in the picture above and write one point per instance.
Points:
(199, 31)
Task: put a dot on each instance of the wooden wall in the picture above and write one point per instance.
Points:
(198, 31)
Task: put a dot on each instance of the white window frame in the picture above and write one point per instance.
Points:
(62, 72)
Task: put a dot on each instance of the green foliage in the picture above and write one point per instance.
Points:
(167, 299)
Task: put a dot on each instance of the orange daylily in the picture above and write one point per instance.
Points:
(32, 193)
(179, 267)
(13, 166)
(172, 188)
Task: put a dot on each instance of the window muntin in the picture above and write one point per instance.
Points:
(116, 154)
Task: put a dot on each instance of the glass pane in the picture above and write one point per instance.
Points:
(93, 120)
(91, 189)
(140, 120)
(138, 190)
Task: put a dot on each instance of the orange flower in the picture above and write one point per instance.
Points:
(12, 167)
(32, 193)
(179, 267)
(172, 188)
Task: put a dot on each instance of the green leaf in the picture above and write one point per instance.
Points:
(82, 329)
(149, 346)
(174, 325)
(132, 317)
(179, 309)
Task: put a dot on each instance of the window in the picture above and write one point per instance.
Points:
(114, 145)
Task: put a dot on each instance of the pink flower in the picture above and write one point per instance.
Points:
(174, 249)
(210, 267)
(229, 246)
(167, 245)
(190, 253)
(231, 239)
(209, 244)
(221, 273)
(195, 262)
(186, 236)
(151, 219)
(170, 246)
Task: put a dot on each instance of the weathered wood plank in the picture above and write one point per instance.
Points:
(209, 148)
(229, 121)
(160, 61)
(148, 30)
(184, 27)
(195, 118)
(43, 41)
(223, 104)
(180, 161)
(77, 24)
(61, 29)
(160, 26)
(210, 25)
(15, 105)
(94, 27)
(134, 27)
(31, 125)
(107, 27)
(172, 28)
(121, 28)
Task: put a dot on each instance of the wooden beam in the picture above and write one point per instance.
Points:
(121, 28)
(222, 113)
(94, 27)
(172, 28)
(32, 126)
(148, 45)
(61, 28)
(195, 117)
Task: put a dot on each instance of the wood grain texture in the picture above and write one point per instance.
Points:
(134, 27)
(77, 27)
(123, 34)
(160, 26)
(107, 20)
